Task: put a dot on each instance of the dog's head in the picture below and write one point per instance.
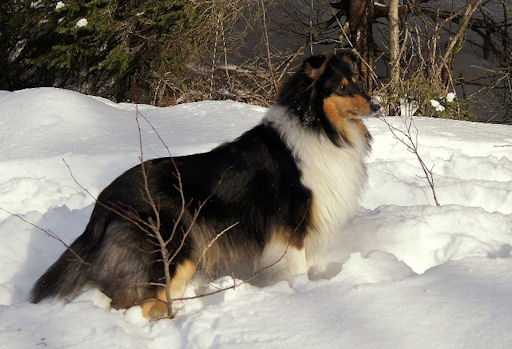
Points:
(324, 94)
(336, 81)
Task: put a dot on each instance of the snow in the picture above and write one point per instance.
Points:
(404, 272)
(82, 22)
(434, 103)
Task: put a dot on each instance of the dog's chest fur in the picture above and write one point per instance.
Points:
(334, 174)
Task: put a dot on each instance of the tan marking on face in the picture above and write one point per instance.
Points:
(157, 307)
(334, 115)
(336, 107)
(344, 82)
(341, 111)
(354, 80)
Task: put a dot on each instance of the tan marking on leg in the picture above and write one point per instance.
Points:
(280, 260)
(179, 282)
(285, 236)
(315, 214)
(124, 299)
(157, 307)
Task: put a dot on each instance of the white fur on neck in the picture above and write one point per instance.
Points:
(334, 174)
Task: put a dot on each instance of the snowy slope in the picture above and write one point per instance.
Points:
(404, 273)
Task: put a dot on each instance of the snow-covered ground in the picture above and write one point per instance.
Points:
(404, 273)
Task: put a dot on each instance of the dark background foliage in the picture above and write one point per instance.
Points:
(167, 52)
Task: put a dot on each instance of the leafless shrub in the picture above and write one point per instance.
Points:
(409, 138)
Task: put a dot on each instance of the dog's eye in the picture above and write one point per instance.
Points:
(341, 88)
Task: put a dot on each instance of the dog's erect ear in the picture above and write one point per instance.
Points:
(346, 54)
(349, 57)
(314, 66)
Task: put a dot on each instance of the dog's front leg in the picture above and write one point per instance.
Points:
(280, 261)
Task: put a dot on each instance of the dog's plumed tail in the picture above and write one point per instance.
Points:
(68, 275)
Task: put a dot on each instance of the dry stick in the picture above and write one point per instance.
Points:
(177, 172)
(213, 241)
(189, 229)
(184, 206)
(505, 76)
(155, 226)
(412, 146)
(213, 62)
(224, 48)
(166, 255)
(123, 213)
(267, 45)
(49, 233)
(373, 74)
(311, 27)
(287, 62)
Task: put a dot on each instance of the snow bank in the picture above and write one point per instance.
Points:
(404, 273)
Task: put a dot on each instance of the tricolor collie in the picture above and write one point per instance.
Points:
(280, 186)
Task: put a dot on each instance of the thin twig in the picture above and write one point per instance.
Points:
(412, 146)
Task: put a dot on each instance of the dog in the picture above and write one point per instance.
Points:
(267, 199)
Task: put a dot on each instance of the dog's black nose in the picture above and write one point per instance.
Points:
(374, 105)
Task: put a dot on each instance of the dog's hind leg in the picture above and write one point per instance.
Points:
(156, 307)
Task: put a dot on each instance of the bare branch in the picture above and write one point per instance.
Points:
(410, 141)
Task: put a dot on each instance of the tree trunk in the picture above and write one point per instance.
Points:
(394, 44)
(455, 43)
(360, 17)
